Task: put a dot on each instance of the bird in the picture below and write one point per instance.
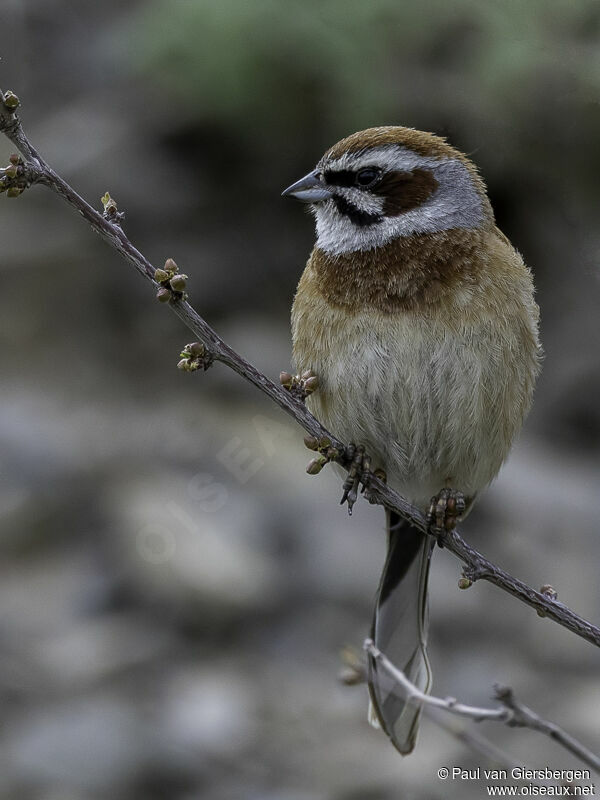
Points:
(417, 316)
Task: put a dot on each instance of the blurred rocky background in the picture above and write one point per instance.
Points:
(174, 589)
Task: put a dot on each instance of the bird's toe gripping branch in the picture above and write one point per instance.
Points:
(359, 470)
(359, 474)
(445, 510)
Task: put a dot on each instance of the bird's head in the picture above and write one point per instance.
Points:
(388, 182)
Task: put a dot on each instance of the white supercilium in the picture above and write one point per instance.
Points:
(455, 203)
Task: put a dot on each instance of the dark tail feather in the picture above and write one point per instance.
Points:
(400, 630)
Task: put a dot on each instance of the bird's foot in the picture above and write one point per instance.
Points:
(359, 473)
(299, 386)
(445, 510)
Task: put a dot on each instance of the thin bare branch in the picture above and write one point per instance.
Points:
(354, 673)
(34, 169)
(511, 711)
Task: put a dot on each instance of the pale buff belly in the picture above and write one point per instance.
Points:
(432, 404)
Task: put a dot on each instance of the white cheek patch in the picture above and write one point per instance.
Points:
(456, 203)
(367, 202)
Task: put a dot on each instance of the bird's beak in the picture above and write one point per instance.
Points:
(308, 189)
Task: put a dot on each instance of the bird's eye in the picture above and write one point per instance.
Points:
(368, 176)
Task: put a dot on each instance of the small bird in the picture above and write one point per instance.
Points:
(418, 318)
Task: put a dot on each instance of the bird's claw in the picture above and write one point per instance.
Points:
(445, 510)
(359, 473)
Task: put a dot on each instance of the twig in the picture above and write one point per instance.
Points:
(354, 673)
(474, 739)
(524, 717)
(511, 712)
(35, 170)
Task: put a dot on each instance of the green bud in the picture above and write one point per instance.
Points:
(285, 379)
(311, 442)
(160, 276)
(316, 465)
(163, 295)
(178, 283)
(15, 158)
(11, 101)
(170, 266)
(13, 191)
(11, 172)
(464, 583)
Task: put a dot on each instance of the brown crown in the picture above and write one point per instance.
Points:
(420, 142)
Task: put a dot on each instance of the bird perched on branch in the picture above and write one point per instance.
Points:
(417, 316)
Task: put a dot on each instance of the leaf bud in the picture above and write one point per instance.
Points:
(311, 384)
(178, 283)
(196, 349)
(316, 465)
(11, 101)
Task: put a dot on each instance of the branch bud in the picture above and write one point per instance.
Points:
(549, 591)
(311, 442)
(170, 266)
(15, 159)
(11, 101)
(196, 349)
(161, 276)
(178, 283)
(311, 384)
(163, 295)
(316, 465)
(13, 191)
(285, 379)
(464, 583)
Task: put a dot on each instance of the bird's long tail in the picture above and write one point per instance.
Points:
(400, 631)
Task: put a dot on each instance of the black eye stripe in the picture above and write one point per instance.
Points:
(340, 177)
(362, 178)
